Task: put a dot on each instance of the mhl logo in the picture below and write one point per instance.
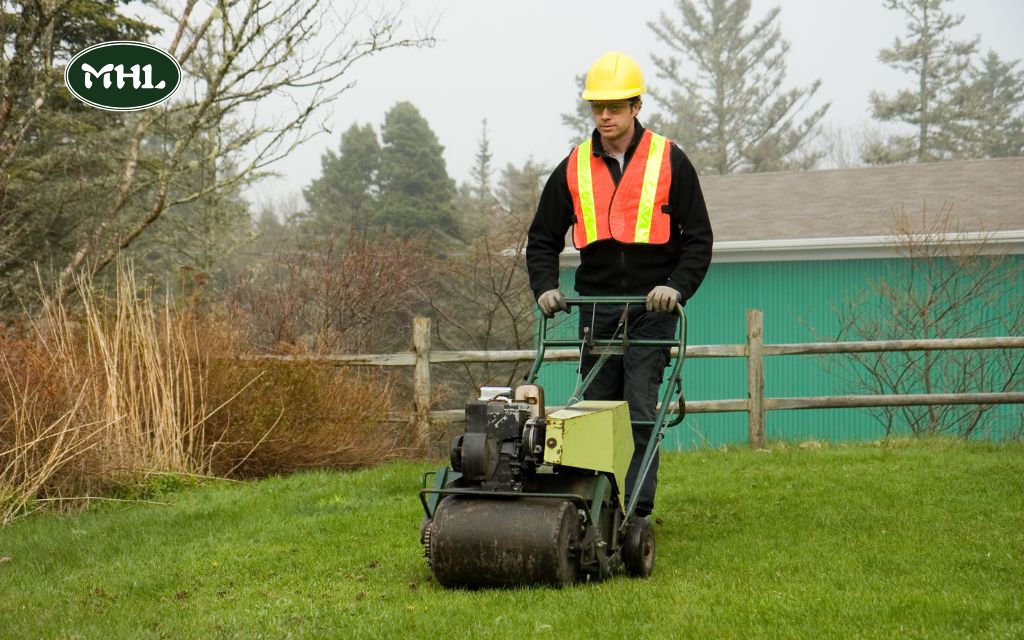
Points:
(122, 76)
(105, 73)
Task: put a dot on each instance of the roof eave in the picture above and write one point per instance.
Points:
(855, 248)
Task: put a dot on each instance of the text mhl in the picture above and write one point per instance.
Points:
(141, 76)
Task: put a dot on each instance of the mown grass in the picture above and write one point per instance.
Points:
(893, 540)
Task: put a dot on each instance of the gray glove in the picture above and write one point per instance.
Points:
(663, 299)
(551, 302)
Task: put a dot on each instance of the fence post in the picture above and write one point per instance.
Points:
(421, 379)
(755, 378)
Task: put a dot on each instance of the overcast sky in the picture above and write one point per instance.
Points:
(514, 63)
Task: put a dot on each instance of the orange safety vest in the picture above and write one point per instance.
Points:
(630, 213)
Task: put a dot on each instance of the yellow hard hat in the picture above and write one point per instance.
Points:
(614, 76)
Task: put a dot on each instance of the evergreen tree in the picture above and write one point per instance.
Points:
(270, 233)
(939, 64)
(519, 190)
(416, 194)
(196, 240)
(477, 206)
(481, 174)
(579, 121)
(731, 114)
(344, 195)
(991, 122)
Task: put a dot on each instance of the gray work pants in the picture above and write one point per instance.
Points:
(634, 377)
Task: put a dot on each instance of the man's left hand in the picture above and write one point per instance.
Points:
(663, 299)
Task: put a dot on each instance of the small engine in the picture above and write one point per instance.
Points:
(503, 442)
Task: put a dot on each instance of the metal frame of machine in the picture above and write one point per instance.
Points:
(519, 505)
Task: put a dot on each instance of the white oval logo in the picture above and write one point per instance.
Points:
(122, 75)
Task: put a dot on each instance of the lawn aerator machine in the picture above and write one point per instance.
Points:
(539, 498)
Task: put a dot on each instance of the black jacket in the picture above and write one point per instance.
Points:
(608, 267)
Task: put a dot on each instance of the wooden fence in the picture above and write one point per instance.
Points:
(754, 350)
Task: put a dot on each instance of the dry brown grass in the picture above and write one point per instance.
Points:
(100, 398)
(126, 388)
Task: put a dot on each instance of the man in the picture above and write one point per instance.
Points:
(638, 218)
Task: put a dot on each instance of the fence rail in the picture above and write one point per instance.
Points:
(756, 405)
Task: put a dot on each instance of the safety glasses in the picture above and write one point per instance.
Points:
(614, 108)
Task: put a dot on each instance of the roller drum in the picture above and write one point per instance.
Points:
(478, 542)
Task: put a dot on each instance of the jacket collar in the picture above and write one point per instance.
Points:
(598, 149)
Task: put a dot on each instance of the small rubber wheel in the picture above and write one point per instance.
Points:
(638, 549)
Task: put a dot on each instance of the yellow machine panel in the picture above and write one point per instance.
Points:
(592, 434)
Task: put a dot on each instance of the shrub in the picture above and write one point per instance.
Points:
(293, 415)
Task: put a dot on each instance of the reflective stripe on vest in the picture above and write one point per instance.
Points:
(586, 191)
(631, 212)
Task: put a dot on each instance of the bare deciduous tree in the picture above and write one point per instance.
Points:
(27, 37)
(951, 284)
(480, 297)
(335, 295)
(258, 76)
(481, 300)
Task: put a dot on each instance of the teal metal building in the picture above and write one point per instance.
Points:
(798, 246)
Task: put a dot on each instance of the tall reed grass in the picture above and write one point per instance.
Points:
(123, 387)
(98, 397)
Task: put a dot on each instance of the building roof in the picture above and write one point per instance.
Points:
(851, 213)
(982, 195)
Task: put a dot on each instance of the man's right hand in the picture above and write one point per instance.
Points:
(550, 302)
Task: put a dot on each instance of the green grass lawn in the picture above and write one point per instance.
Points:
(898, 540)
